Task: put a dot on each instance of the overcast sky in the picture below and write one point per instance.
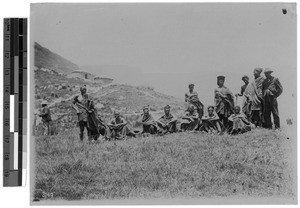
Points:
(183, 40)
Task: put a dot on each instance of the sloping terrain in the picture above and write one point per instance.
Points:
(44, 58)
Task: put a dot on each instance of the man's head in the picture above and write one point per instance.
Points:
(167, 109)
(191, 87)
(237, 109)
(210, 110)
(245, 78)
(146, 110)
(220, 81)
(83, 90)
(117, 114)
(257, 71)
(268, 72)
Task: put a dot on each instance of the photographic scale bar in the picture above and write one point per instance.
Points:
(15, 102)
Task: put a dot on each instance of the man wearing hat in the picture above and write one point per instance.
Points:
(191, 98)
(271, 89)
(253, 94)
(46, 117)
(167, 123)
(87, 114)
(224, 101)
(148, 122)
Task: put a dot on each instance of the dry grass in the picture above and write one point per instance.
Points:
(189, 165)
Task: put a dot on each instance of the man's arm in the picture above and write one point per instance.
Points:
(279, 88)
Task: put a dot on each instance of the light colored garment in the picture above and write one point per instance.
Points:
(224, 101)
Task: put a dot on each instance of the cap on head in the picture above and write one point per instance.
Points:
(258, 70)
(268, 71)
(117, 113)
(245, 77)
(191, 85)
(220, 78)
(210, 107)
(44, 102)
(167, 107)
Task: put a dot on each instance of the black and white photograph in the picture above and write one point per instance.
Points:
(163, 103)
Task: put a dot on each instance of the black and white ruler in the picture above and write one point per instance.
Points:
(15, 101)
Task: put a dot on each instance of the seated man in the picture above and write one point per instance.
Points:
(166, 123)
(238, 122)
(119, 129)
(148, 122)
(189, 121)
(211, 122)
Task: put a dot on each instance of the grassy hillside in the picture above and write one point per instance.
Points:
(189, 165)
(44, 58)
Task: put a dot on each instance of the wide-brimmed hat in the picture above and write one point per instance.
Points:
(268, 70)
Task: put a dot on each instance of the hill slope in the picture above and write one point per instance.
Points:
(44, 58)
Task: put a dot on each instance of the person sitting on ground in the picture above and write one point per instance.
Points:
(119, 129)
(189, 121)
(167, 123)
(148, 122)
(238, 122)
(211, 122)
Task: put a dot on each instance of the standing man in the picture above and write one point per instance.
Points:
(271, 89)
(246, 102)
(191, 98)
(254, 94)
(224, 101)
(46, 118)
(87, 115)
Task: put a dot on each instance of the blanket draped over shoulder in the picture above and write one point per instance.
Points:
(193, 99)
(149, 124)
(253, 96)
(86, 111)
(224, 101)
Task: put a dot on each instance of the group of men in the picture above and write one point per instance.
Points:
(260, 101)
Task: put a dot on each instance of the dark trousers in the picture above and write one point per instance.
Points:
(271, 107)
(224, 121)
(256, 117)
(82, 125)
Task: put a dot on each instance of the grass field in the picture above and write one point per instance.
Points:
(184, 165)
